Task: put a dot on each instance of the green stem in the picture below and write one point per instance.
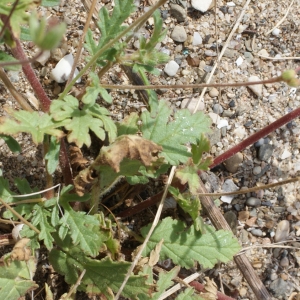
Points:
(93, 60)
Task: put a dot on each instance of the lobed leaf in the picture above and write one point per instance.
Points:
(101, 275)
(4, 58)
(34, 123)
(186, 245)
(174, 135)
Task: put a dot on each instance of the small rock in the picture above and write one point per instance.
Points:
(217, 108)
(197, 39)
(256, 170)
(214, 117)
(257, 232)
(210, 53)
(223, 123)
(229, 53)
(232, 103)
(265, 152)
(248, 56)
(239, 61)
(191, 104)
(42, 59)
(243, 216)
(259, 143)
(232, 163)
(178, 34)
(285, 154)
(178, 12)
(228, 186)
(202, 5)
(273, 276)
(13, 76)
(282, 231)
(279, 287)
(231, 219)
(284, 262)
(248, 124)
(263, 52)
(214, 93)
(257, 88)
(254, 202)
(171, 68)
(276, 31)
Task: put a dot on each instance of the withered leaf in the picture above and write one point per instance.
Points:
(128, 146)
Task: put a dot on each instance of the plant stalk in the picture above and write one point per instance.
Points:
(256, 136)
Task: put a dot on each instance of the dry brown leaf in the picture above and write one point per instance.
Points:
(84, 178)
(211, 290)
(154, 254)
(21, 251)
(128, 146)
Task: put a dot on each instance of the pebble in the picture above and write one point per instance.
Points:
(257, 88)
(248, 56)
(13, 76)
(232, 163)
(171, 68)
(265, 152)
(229, 53)
(263, 52)
(248, 124)
(231, 103)
(254, 202)
(276, 31)
(223, 123)
(259, 143)
(210, 53)
(202, 5)
(215, 93)
(217, 108)
(279, 287)
(256, 170)
(191, 104)
(282, 231)
(197, 39)
(257, 232)
(178, 12)
(228, 186)
(42, 59)
(179, 34)
(284, 262)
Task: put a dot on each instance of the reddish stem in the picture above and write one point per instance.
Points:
(19, 54)
(256, 136)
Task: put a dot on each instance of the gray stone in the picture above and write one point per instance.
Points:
(178, 12)
(231, 219)
(257, 232)
(284, 262)
(210, 53)
(214, 137)
(232, 163)
(256, 170)
(178, 34)
(265, 152)
(229, 53)
(279, 287)
(254, 202)
(282, 231)
(248, 56)
(217, 108)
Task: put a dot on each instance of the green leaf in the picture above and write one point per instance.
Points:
(19, 16)
(189, 203)
(25, 34)
(101, 275)
(34, 123)
(4, 58)
(199, 148)
(12, 144)
(186, 245)
(110, 26)
(189, 174)
(5, 193)
(52, 156)
(94, 90)
(15, 279)
(50, 3)
(174, 135)
(128, 124)
(189, 294)
(80, 121)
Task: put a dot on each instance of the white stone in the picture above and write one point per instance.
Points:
(202, 5)
(285, 154)
(222, 123)
(263, 52)
(276, 31)
(197, 39)
(62, 70)
(240, 132)
(257, 88)
(214, 117)
(239, 61)
(231, 4)
(191, 104)
(171, 68)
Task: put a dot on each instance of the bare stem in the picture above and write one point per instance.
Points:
(256, 136)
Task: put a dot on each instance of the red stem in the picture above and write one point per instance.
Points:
(19, 54)
(256, 136)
